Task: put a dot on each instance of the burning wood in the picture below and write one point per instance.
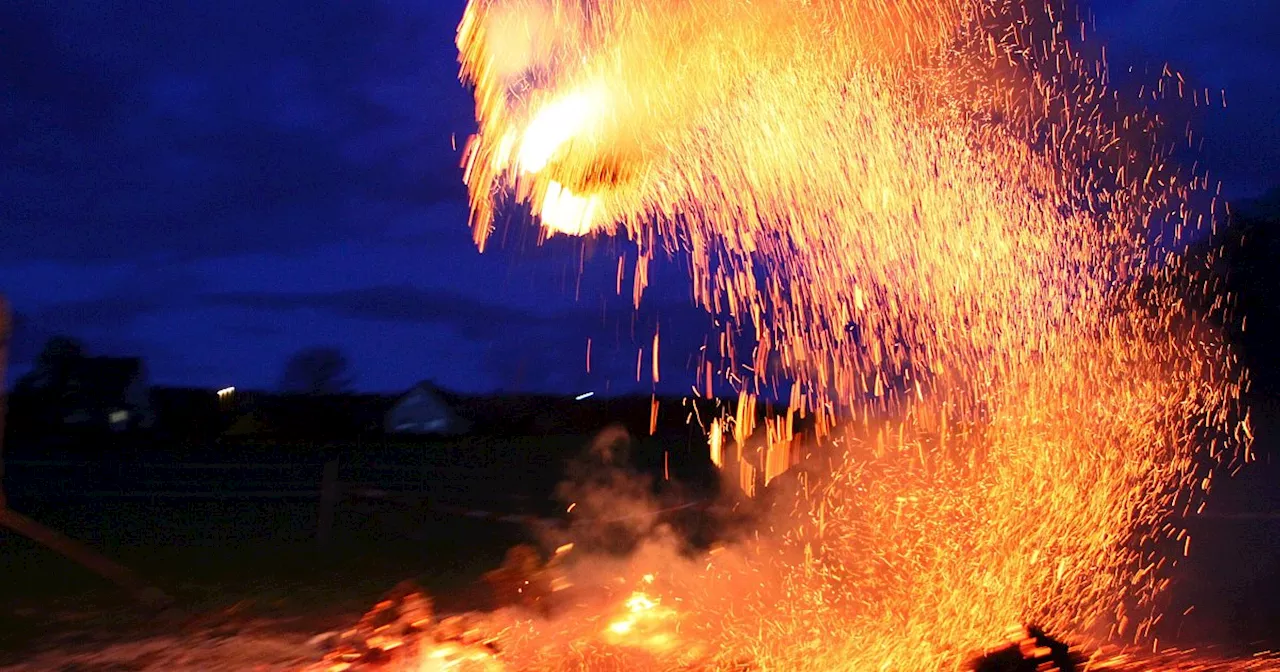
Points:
(1031, 650)
(525, 580)
(402, 628)
(641, 633)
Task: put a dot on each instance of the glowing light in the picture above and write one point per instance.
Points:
(584, 395)
(226, 392)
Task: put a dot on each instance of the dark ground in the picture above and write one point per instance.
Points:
(258, 557)
(234, 560)
(270, 567)
(1232, 576)
(231, 561)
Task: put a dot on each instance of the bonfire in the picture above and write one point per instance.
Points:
(955, 247)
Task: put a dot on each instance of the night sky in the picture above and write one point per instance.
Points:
(213, 186)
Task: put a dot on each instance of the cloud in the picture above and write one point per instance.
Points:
(106, 322)
(101, 325)
(1217, 45)
(469, 317)
(178, 130)
(522, 348)
(472, 319)
(105, 308)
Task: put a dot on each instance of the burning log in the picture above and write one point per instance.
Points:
(402, 617)
(1031, 650)
(406, 607)
(524, 580)
(403, 627)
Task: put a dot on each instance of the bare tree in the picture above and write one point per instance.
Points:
(317, 370)
(51, 382)
(57, 362)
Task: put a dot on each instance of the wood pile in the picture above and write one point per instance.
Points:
(1030, 650)
(525, 581)
(403, 627)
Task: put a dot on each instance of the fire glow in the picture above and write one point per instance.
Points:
(943, 224)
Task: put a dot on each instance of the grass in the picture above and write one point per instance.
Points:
(228, 563)
(260, 559)
(235, 562)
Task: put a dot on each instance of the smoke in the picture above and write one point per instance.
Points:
(611, 506)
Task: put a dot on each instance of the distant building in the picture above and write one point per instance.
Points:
(102, 393)
(425, 409)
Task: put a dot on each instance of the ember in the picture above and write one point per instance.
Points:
(1032, 388)
(402, 628)
(644, 623)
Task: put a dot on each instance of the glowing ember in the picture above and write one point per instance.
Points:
(943, 225)
(644, 623)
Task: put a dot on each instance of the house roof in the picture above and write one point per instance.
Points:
(429, 387)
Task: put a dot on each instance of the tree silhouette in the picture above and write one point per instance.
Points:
(51, 384)
(59, 356)
(317, 370)
(54, 366)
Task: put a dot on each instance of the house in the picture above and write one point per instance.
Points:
(425, 409)
(116, 389)
(101, 393)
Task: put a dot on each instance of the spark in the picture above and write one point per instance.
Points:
(939, 220)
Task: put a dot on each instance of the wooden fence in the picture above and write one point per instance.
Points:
(469, 491)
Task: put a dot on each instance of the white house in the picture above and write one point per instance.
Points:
(424, 409)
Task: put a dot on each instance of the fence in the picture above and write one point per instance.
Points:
(507, 480)
(276, 470)
(473, 491)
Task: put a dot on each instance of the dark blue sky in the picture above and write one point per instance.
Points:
(216, 185)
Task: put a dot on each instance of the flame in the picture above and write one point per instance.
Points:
(451, 656)
(553, 130)
(645, 623)
(562, 211)
(555, 125)
(936, 220)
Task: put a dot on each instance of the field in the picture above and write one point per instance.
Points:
(236, 558)
(232, 534)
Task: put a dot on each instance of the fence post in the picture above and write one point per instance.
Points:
(5, 331)
(328, 501)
